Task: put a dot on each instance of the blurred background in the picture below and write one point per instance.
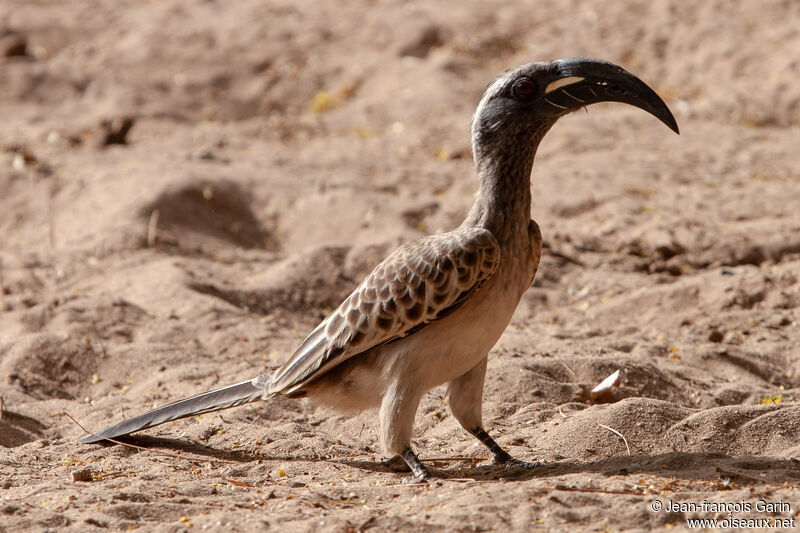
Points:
(374, 95)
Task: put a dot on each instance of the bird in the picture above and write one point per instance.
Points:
(430, 312)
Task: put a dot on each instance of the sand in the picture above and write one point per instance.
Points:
(186, 189)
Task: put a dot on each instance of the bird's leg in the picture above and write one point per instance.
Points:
(499, 455)
(466, 398)
(421, 473)
(396, 414)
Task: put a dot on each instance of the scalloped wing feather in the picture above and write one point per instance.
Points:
(420, 282)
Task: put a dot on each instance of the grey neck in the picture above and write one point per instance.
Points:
(503, 201)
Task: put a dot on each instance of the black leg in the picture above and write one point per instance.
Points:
(499, 455)
(420, 472)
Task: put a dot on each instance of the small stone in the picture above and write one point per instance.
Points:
(205, 154)
(18, 162)
(422, 44)
(114, 131)
(84, 474)
(716, 336)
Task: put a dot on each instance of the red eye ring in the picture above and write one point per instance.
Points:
(524, 88)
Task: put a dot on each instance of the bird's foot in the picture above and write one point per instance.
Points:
(418, 479)
(512, 463)
(500, 457)
(421, 474)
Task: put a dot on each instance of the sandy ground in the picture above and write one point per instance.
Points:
(274, 151)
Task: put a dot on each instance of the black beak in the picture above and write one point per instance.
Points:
(577, 82)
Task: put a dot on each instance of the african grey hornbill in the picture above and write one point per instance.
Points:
(432, 310)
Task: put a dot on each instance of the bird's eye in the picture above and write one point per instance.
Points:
(524, 89)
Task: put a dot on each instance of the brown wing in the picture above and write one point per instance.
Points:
(420, 282)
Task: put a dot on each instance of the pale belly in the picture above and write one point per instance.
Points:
(448, 348)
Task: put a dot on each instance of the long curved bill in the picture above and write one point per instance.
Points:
(577, 82)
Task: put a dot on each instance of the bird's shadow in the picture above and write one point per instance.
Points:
(170, 445)
(743, 470)
(709, 467)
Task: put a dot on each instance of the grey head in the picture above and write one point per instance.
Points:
(529, 99)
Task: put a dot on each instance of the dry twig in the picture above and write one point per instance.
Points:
(597, 491)
(2, 291)
(152, 226)
(615, 432)
(472, 460)
(99, 339)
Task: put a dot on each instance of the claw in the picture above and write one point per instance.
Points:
(417, 480)
(510, 463)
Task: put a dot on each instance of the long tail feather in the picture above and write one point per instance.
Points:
(216, 400)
